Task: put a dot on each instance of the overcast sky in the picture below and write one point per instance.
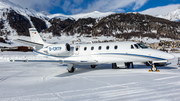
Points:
(69, 7)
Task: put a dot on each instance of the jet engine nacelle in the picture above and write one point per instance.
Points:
(59, 50)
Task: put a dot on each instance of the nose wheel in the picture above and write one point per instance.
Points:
(154, 69)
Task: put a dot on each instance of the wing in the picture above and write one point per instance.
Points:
(58, 61)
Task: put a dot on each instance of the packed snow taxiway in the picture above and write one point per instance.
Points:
(51, 82)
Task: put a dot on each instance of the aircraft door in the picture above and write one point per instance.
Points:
(76, 50)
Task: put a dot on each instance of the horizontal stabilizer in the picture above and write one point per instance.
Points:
(32, 44)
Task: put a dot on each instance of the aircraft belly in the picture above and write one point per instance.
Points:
(81, 60)
(119, 58)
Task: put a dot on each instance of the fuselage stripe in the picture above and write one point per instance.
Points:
(131, 55)
(48, 55)
(107, 54)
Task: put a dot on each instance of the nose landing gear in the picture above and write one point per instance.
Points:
(154, 69)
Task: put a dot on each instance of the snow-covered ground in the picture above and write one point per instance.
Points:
(52, 82)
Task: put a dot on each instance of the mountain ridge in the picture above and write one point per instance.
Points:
(17, 20)
(174, 15)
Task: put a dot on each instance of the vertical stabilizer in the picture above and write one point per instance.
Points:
(35, 37)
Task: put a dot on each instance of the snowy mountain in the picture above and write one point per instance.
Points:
(11, 24)
(6, 4)
(16, 20)
(161, 10)
(126, 26)
(169, 12)
(174, 15)
(94, 14)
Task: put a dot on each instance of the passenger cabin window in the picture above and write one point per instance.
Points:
(77, 49)
(142, 45)
(85, 48)
(116, 47)
(92, 48)
(99, 48)
(136, 46)
(132, 47)
(107, 47)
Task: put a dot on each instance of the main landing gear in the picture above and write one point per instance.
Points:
(93, 66)
(114, 66)
(71, 68)
(126, 64)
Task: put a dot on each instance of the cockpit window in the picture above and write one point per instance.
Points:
(132, 47)
(136, 46)
(142, 45)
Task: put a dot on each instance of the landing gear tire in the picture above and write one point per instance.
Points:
(114, 66)
(127, 64)
(72, 70)
(93, 66)
(154, 69)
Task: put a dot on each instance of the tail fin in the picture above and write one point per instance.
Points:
(35, 37)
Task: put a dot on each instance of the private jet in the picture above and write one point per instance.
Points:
(115, 53)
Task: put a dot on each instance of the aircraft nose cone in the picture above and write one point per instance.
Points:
(162, 55)
(168, 56)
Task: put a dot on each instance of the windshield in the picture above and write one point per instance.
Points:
(136, 46)
(142, 45)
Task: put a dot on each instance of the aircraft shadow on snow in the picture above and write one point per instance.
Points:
(86, 68)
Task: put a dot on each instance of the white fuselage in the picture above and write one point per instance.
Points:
(113, 52)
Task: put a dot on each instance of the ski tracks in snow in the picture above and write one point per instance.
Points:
(104, 85)
(159, 89)
(10, 76)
